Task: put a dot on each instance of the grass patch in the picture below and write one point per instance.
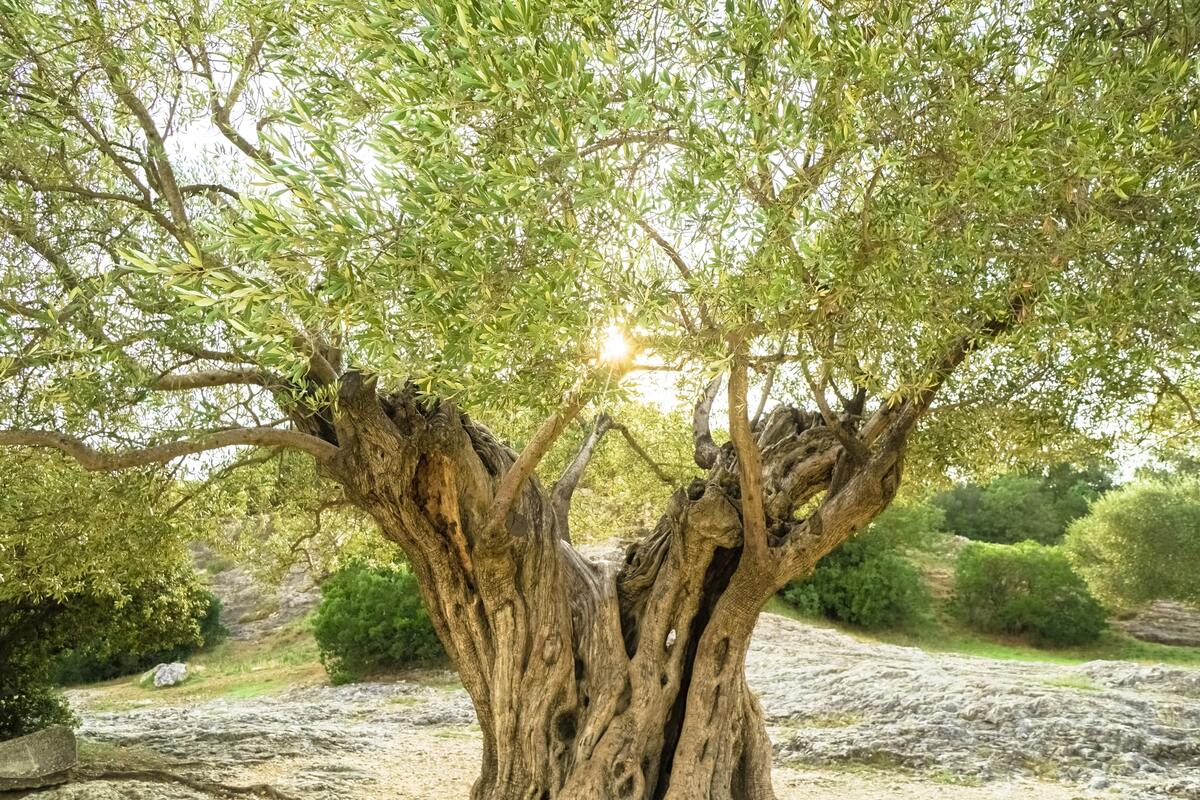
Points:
(231, 670)
(100, 756)
(260, 612)
(948, 778)
(831, 720)
(1078, 683)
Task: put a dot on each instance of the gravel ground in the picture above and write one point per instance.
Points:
(849, 719)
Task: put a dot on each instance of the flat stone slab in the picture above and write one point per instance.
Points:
(40, 759)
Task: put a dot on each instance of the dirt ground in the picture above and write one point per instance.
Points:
(442, 763)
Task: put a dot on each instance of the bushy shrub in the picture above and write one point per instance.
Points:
(100, 661)
(1141, 543)
(28, 701)
(865, 582)
(1026, 589)
(372, 617)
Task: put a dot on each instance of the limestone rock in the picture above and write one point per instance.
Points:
(40, 759)
(165, 675)
(1164, 622)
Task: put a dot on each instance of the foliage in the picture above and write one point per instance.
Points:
(28, 700)
(1141, 543)
(372, 617)
(464, 194)
(908, 523)
(96, 660)
(215, 220)
(1025, 589)
(866, 581)
(1019, 506)
(277, 512)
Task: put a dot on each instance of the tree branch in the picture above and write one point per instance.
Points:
(754, 520)
(655, 467)
(206, 379)
(547, 433)
(855, 447)
(763, 396)
(97, 460)
(679, 263)
(706, 450)
(564, 487)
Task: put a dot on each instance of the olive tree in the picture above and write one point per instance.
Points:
(362, 229)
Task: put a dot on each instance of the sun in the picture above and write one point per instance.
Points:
(615, 347)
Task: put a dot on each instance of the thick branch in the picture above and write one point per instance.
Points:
(854, 446)
(514, 480)
(92, 459)
(754, 522)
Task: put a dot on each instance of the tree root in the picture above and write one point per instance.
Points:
(208, 787)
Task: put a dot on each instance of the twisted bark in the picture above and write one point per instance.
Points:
(594, 679)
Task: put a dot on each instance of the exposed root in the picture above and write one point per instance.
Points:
(163, 776)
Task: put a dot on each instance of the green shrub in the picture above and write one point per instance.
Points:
(100, 661)
(370, 618)
(865, 582)
(28, 702)
(1141, 543)
(1025, 589)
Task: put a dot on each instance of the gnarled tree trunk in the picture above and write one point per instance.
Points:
(602, 680)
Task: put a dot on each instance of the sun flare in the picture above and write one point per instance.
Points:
(615, 347)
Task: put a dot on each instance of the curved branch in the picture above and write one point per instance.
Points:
(655, 467)
(855, 446)
(98, 460)
(564, 487)
(514, 480)
(706, 450)
(684, 270)
(765, 395)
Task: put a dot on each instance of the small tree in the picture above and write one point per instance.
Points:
(372, 617)
(1141, 543)
(1018, 506)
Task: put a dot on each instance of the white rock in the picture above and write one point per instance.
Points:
(169, 674)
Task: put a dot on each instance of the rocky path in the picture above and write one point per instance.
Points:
(849, 719)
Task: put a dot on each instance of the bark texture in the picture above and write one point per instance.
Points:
(598, 680)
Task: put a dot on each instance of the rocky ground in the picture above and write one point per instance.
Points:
(850, 719)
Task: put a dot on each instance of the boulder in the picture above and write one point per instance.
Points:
(40, 759)
(165, 675)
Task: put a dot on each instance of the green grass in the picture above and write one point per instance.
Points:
(1073, 682)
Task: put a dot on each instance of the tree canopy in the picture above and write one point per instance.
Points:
(209, 211)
